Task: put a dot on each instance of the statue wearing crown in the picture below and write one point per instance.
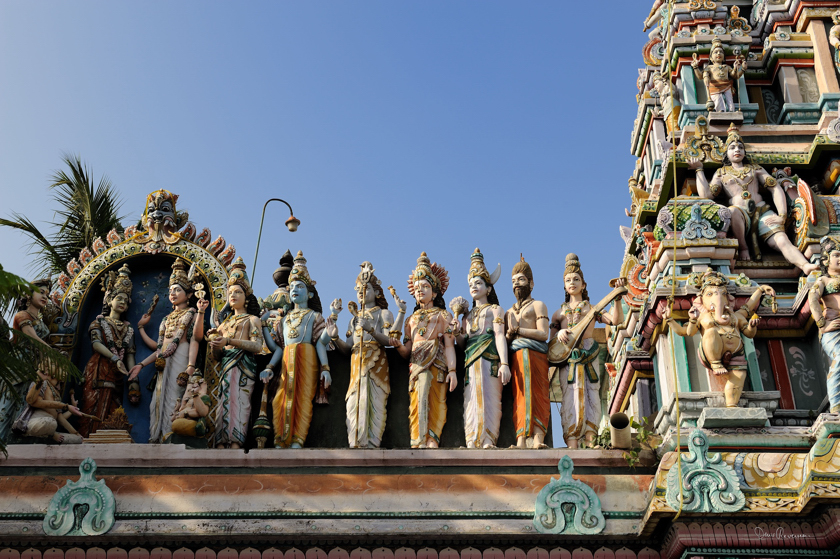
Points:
(482, 335)
(161, 221)
(301, 343)
(366, 339)
(174, 351)
(430, 346)
(234, 344)
(112, 339)
(719, 77)
(741, 182)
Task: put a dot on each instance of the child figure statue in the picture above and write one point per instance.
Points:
(722, 350)
(302, 345)
(367, 336)
(719, 77)
(486, 355)
(190, 416)
(429, 345)
(824, 299)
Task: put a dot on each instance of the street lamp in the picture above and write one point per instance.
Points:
(292, 223)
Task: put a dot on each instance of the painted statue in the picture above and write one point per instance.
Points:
(721, 348)
(527, 332)
(824, 299)
(234, 344)
(719, 77)
(482, 335)
(112, 339)
(302, 342)
(161, 221)
(367, 336)
(30, 321)
(834, 38)
(580, 383)
(174, 351)
(44, 412)
(429, 345)
(190, 417)
(739, 182)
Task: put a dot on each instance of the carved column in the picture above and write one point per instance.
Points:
(823, 61)
(790, 84)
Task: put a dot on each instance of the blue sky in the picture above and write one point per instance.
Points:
(391, 127)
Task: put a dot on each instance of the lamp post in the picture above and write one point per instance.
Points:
(292, 223)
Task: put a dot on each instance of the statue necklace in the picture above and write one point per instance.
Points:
(294, 320)
(725, 331)
(477, 316)
(424, 317)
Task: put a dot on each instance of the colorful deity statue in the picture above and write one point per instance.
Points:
(234, 344)
(367, 336)
(161, 221)
(430, 346)
(112, 339)
(527, 332)
(719, 77)
(721, 349)
(834, 38)
(190, 418)
(739, 182)
(28, 320)
(580, 384)
(44, 412)
(482, 335)
(302, 344)
(174, 351)
(824, 299)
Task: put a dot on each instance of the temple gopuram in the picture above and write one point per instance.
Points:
(699, 400)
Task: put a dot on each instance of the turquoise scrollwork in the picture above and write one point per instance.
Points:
(708, 483)
(82, 508)
(567, 505)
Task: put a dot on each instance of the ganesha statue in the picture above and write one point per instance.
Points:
(721, 349)
(161, 221)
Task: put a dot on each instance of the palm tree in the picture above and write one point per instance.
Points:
(84, 213)
(19, 362)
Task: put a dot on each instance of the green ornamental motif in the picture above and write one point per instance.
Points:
(708, 483)
(82, 508)
(567, 505)
(706, 210)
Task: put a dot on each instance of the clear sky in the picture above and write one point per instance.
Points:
(391, 127)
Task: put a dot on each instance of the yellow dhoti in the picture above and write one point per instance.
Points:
(427, 410)
(293, 400)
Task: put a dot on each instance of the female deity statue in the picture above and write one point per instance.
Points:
(44, 413)
(174, 352)
(486, 357)
(579, 382)
(824, 298)
(234, 343)
(190, 417)
(302, 344)
(29, 320)
(429, 343)
(367, 336)
(719, 77)
(739, 182)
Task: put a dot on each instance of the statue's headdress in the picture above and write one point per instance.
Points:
(732, 136)
(366, 274)
(117, 282)
(713, 279)
(573, 267)
(281, 274)
(299, 271)
(716, 44)
(435, 274)
(522, 267)
(478, 269)
(238, 276)
(179, 275)
(835, 17)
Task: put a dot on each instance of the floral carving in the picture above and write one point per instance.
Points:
(568, 499)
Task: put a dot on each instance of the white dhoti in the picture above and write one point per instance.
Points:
(580, 385)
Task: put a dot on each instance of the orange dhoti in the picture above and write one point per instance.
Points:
(293, 400)
(531, 405)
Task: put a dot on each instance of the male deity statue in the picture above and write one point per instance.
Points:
(580, 384)
(367, 336)
(824, 299)
(834, 38)
(44, 412)
(739, 181)
(303, 341)
(719, 77)
(429, 343)
(527, 332)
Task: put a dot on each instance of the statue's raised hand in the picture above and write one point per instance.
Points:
(694, 163)
(455, 326)
(332, 329)
(202, 304)
(144, 320)
(695, 62)
(335, 308)
(399, 302)
(693, 313)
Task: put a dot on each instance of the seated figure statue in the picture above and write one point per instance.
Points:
(753, 218)
(44, 413)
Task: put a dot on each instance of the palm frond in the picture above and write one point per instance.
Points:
(47, 260)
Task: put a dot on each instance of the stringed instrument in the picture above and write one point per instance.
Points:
(558, 352)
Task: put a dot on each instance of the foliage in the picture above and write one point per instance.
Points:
(20, 361)
(84, 213)
(645, 438)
